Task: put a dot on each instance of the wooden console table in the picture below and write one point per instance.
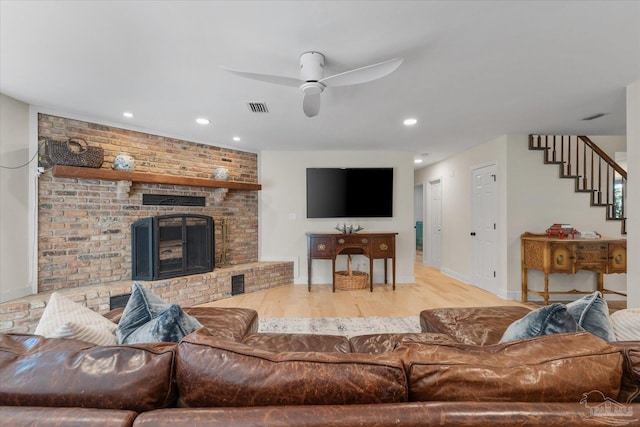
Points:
(554, 255)
(372, 245)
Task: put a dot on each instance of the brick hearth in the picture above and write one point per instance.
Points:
(22, 315)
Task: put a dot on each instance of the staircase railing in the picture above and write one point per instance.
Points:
(594, 170)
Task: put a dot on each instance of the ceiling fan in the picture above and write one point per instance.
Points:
(312, 81)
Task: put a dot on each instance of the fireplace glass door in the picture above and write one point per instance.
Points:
(172, 246)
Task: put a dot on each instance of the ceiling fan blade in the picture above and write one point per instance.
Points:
(280, 80)
(362, 75)
(311, 105)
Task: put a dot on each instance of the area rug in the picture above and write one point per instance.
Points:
(347, 326)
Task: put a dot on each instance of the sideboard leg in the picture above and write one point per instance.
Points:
(546, 288)
(525, 286)
(601, 282)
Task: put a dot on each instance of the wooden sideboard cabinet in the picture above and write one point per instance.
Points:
(554, 255)
(372, 245)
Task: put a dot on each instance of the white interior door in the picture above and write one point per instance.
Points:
(484, 227)
(433, 230)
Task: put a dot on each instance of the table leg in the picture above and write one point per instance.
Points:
(546, 288)
(333, 273)
(601, 282)
(385, 270)
(309, 274)
(525, 286)
(370, 274)
(393, 271)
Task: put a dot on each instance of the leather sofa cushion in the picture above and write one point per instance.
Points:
(226, 322)
(67, 417)
(38, 371)
(408, 414)
(472, 325)
(630, 388)
(215, 372)
(382, 343)
(278, 343)
(550, 368)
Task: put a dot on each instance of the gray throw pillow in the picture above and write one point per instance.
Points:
(147, 318)
(551, 319)
(592, 313)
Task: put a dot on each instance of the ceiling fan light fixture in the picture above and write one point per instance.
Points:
(312, 81)
(312, 88)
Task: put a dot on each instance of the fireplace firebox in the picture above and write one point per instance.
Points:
(171, 246)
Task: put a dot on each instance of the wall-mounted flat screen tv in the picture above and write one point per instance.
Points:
(349, 192)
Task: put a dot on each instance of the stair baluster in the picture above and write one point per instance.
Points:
(579, 159)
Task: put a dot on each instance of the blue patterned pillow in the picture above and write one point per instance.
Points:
(551, 319)
(147, 318)
(592, 313)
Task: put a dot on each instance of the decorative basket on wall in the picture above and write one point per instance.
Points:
(73, 152)
(351, 280)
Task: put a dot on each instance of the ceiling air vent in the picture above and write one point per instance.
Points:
(257, 107)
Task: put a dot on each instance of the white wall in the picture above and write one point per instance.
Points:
(282, 210)
(531, 197)
(633, 200)
(418, 209)
(16, 234)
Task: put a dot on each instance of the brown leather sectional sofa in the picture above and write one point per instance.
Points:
(228, 374)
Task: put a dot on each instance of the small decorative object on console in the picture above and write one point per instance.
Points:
(590, 235)
(348, 229)
(561, 231)
(124, 162)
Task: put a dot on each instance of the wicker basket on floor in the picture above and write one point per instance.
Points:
(351, 280)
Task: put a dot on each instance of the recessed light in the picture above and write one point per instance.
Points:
(417, 161)
(236, 138)
(127, 114)
(202, 121)
(410, 122)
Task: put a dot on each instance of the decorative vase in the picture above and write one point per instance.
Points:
(221, 174)
(124, 162)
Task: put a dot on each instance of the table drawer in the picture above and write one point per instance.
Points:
(352, 240)
(321, 247)
(594, 254)
(382, 247)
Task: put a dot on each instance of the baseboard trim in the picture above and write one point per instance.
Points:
(456, 276)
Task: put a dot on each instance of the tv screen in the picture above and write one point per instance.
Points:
(349, 192)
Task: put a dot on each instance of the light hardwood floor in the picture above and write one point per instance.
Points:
(431, 290)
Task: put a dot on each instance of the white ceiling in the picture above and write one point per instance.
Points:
(472, 70)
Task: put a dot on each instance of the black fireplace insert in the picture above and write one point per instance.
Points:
(171, 246)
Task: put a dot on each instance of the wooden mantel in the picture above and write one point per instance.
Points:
(148, 178)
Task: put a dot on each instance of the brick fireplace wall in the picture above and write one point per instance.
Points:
(84, 225)
(84, 235)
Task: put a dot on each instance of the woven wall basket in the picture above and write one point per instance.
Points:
(351, 280)
(73, 152)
